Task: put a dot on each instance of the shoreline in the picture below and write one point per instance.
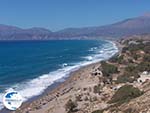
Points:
(54, 90)
(58, 86)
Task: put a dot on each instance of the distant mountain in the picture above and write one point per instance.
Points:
(128, 27)
(133, 26)
(15, 33)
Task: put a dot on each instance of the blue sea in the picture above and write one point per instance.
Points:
(29, 67)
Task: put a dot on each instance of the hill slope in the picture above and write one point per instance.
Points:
(138, 25)
(128, 27)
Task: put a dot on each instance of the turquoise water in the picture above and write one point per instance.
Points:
(29, 67)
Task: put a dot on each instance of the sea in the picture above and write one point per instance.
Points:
(30, 67)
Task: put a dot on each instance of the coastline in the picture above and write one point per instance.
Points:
(58, 89)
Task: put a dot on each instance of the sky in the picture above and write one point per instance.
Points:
(60, 14)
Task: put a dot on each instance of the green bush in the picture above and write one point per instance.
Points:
(128, 77)
(117, 59)
(120, 59)
(124, 79)
(108, 69)
(144, 66)
(146, 58)
(147, 48)
(130, 68)
(135, 56)
(114, 59)
(125, 94)
(135, 47)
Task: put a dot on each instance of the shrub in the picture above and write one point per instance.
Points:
(71, 106)
(114, 58)
(120, 59)
(146, 58)
(147, 48)
(79, 98)
(125, 94)
(117, 59)
(130, 61)
(144, 66)
(97, 89)
(135, 47)
(130, 74)
(130, 68)
(108, 69)
(135, 56)
(124, 79)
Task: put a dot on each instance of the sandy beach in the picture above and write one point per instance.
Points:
(79, 81)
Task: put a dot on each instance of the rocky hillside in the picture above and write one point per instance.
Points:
(131, 83)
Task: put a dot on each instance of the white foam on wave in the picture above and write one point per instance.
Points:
(36, 86)
(104, 52)
(93, 49)
(64, 65)
(89, 58)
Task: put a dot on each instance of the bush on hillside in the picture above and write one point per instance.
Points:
(125, 94)
(71, 106)
(135, 47)
(128, 76)
(146, 58)
(130, 68)
(96, 89)
(147, 48)
(117, 59)
(108, 69)
(135, 56)
(144, 66)
(124, 79)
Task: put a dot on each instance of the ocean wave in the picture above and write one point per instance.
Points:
(64, 64)
(37, 86)
(89, 58)
(93, 48)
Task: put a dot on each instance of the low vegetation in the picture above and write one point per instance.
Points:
(71, 106)
(130, 74)
(144, 66)
(108, 69)
(125, 94)
(133, 60)
(97, 89)
(117, 59)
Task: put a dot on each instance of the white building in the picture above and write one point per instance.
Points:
(144, 77)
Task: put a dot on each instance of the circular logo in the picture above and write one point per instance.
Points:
(12, 100)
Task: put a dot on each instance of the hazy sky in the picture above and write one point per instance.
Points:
(58, 14)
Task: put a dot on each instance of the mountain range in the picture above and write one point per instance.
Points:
(128, 27)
